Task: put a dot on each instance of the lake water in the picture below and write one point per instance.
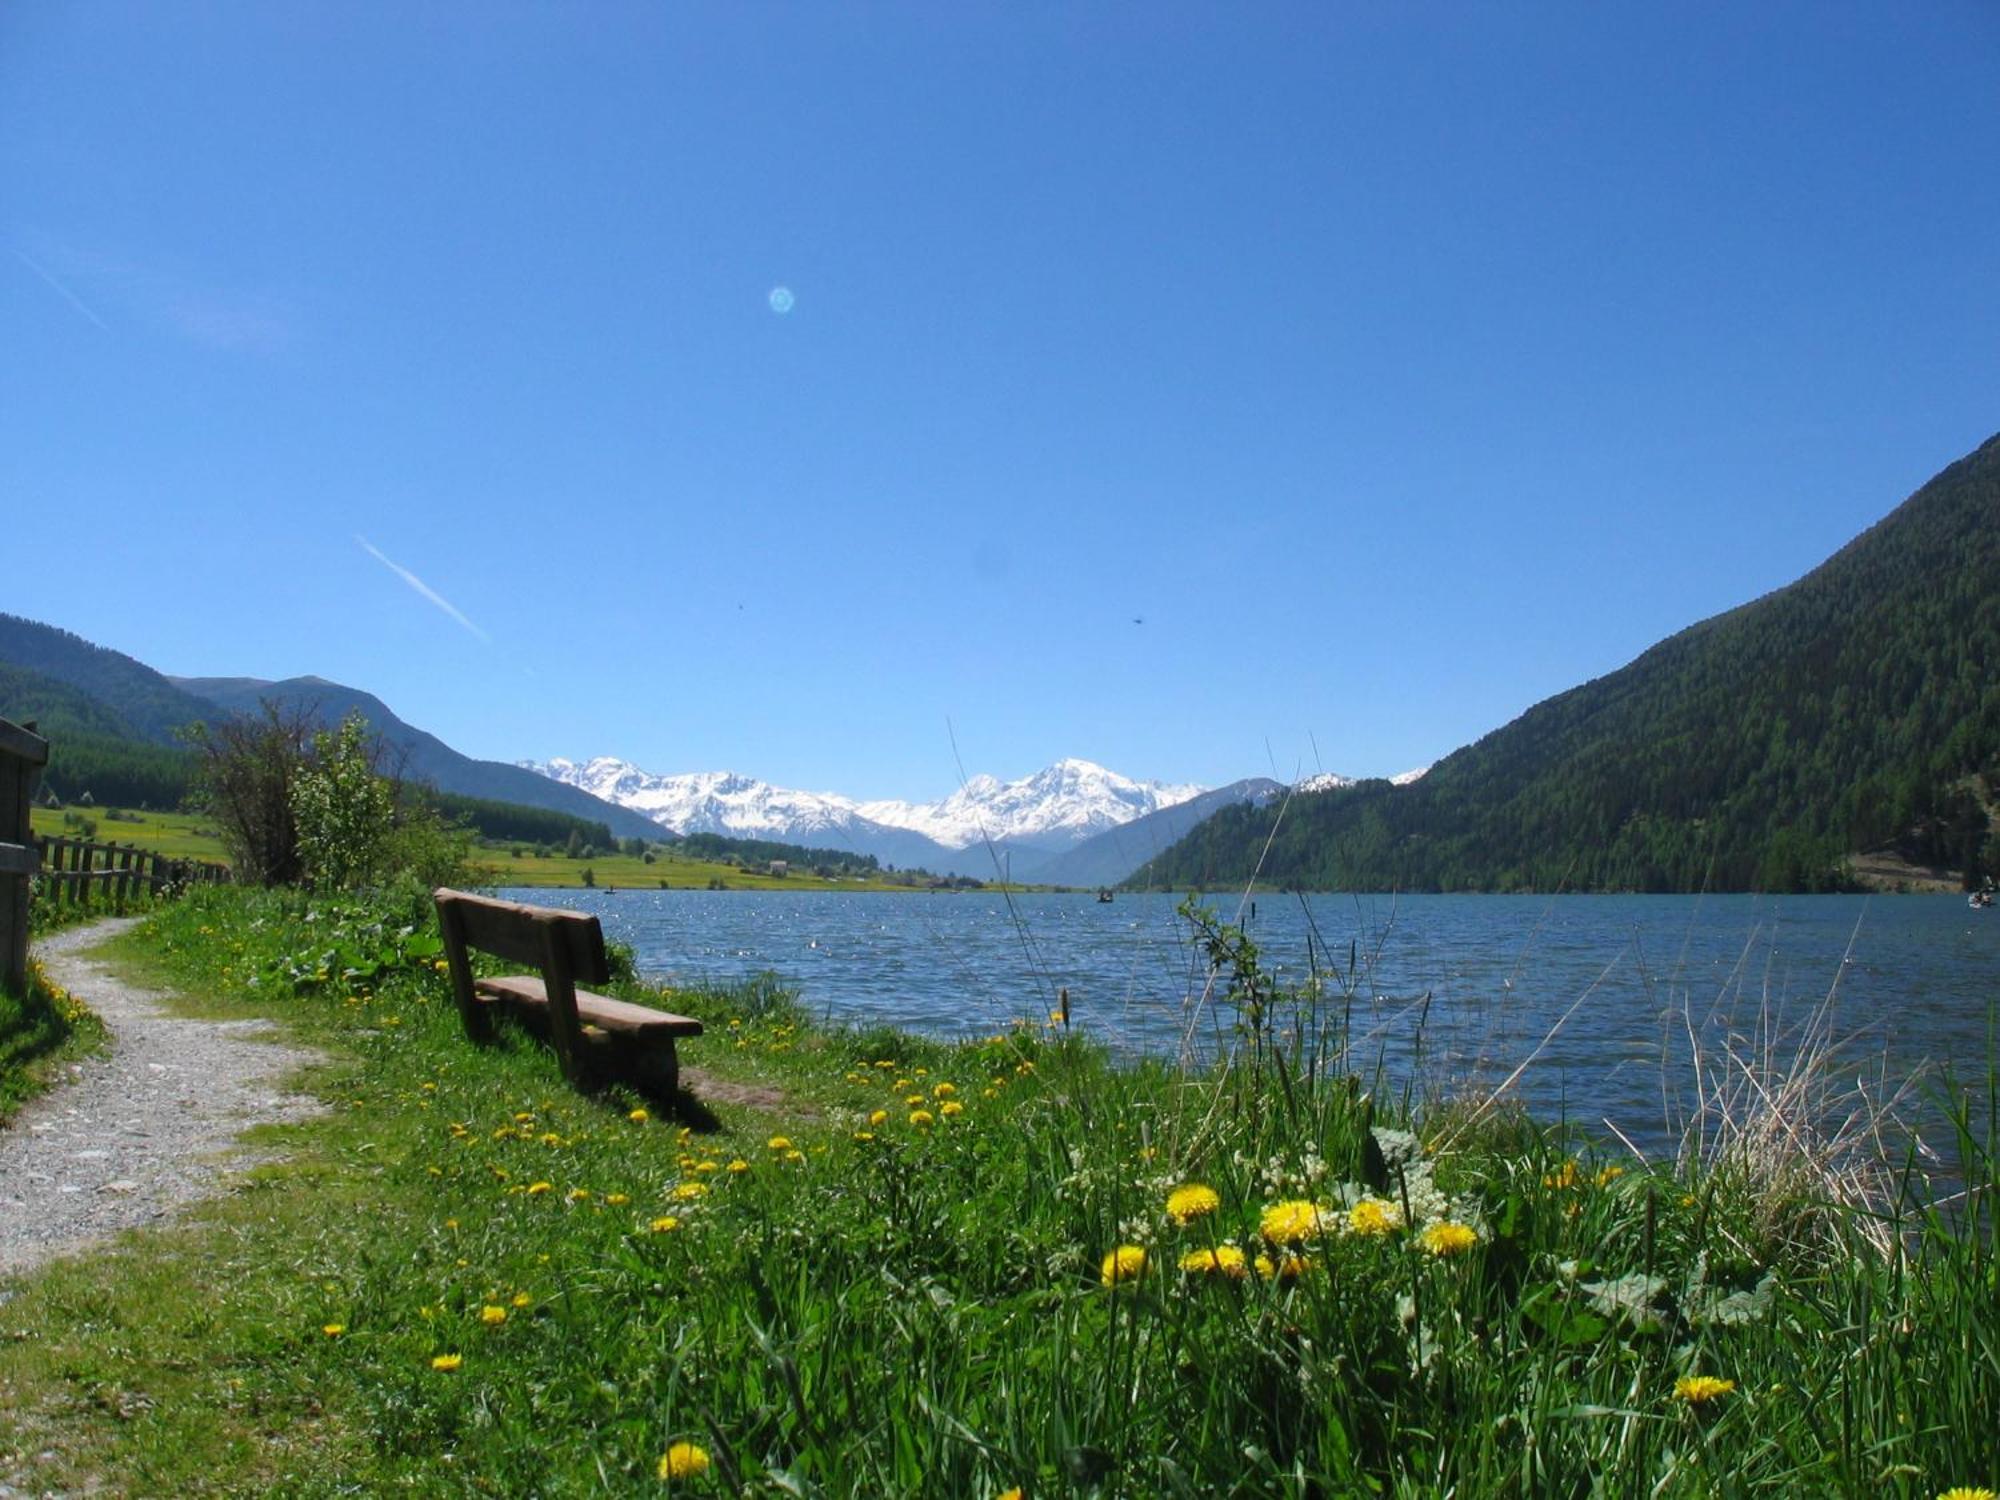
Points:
(1602, 991)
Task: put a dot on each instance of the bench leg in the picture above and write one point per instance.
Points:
(659, 1069)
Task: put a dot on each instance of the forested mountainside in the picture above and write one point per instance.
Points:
(1855, 709)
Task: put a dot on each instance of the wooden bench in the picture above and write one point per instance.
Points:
(595, 1037)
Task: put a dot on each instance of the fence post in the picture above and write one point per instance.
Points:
(23, 753)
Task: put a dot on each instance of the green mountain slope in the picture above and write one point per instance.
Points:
(92, 746)
(142, 702)
(1854, 709)
(111, 721)
(425, 756)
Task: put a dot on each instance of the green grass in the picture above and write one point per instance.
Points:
(176, 835)
(893, 1306)
(627, 873)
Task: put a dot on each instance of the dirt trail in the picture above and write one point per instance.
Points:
(136, 1133)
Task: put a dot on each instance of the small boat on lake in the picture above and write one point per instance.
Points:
(1102, 894)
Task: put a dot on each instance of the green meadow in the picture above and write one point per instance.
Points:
(176, 835)
(859, 1263)
(497, 862)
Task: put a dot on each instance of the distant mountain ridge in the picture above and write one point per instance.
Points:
(1853, 710)
(425, 756)
(115, 725)
(986, 827)
(1108, 857)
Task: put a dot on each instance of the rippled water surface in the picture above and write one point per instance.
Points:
(1607, 988)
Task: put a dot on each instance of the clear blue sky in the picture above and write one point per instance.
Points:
(1398, 365)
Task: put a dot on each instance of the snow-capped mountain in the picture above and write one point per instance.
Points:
(1047, 812)
(708, 801)
(1061, 805)
(1328, 781)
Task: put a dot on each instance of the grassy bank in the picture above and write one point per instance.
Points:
(41, 1032)
(864, 1264)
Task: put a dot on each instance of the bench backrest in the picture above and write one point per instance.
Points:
(517, 932)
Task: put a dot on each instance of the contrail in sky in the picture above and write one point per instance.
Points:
(423, 588)
(62, 291)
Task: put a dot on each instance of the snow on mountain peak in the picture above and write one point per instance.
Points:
(1059, 805)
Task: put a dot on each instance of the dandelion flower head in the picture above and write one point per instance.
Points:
(447, 1362)
(1192, 1201)
(1698, 1389)
(1223, 1260)
(1374, 1216)
(1126, 1263)
(1449, 1238)
(683, 1461)
(1288, 1222)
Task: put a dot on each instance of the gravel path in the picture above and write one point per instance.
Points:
(135, 1133)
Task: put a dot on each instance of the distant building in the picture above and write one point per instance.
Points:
(780, 868)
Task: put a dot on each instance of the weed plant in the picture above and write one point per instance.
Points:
(864, 1264)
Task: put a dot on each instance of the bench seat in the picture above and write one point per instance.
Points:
(601, 1011)
(597, 1038)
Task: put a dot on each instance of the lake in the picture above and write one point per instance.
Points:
(1456, 990)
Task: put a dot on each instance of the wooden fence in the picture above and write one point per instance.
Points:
(23, 753)
(72, 869)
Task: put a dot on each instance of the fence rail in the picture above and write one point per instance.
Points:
(73, 868)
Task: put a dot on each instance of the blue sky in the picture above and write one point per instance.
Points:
(1397, 366)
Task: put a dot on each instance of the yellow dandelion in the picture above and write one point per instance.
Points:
(549, 1138)
(617, 1200)
(1012, 1494)
(1374, 1216)
(689, 1191)
(795, 1155)
(779, 1143)
(1697, 1390)
(707, 1166)
(1449, 1238)
(1288, 1268)
(447, 1362)
(879, 1117)
(522, 1299)
(578, 1195)
(922, 1117)
(943, 1091)
(334, 1330)
(1290, 1221)
(492, 1316)
(638, 1117)
(1192, 1201)
(1126, 1263)
(536, 1189)
(1958, 1492)
(951, 1107)
(665, 1224)
(913, 1100)
(864, 1135)
(683, 1461)
(739, 1165)
(1223, 1260)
